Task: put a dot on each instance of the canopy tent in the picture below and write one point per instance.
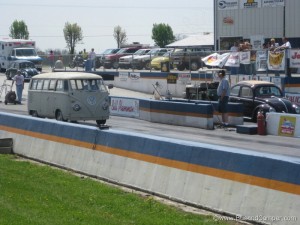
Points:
(200, 40)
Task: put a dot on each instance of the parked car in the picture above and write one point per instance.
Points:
(261, 96)
(27, 69)
(144, 61)
(126, 61)
(189, 58)
(156, 63)
(100, 57)
(112, 60)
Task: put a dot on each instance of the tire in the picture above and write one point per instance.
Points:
(59, 116)
(34, 113)
(72, 65)
(194, 66)
(5, 102)
(100, 122)
(115, 65)
(147, 65)
(181, 67)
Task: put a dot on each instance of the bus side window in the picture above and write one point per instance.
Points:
(52, 85)
(66, 86)
(33, 85)
(40, 84)
(79, 84)
(46, 85)
(59, 85)
(73, 84)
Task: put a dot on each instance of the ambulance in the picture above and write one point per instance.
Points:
(15, 49)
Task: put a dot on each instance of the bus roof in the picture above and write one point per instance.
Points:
(67, 75)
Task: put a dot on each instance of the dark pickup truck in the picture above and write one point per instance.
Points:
(189, 58)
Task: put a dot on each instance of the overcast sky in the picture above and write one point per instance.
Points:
(97, 18)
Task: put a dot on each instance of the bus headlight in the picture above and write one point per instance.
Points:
(76, 107)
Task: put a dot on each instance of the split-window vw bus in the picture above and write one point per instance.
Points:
(69, 96)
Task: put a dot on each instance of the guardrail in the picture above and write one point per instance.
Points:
(233, 181)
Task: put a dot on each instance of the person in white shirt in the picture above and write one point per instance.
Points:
(286, 46)
(19, 79)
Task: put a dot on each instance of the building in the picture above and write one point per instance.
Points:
(257, 21)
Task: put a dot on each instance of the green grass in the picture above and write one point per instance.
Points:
(33, 194)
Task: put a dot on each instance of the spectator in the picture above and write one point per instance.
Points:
(286, 46)
(92, 58)
(51, 59)
(59, 63)
(273, 45)
(223, 92)
(84, 55)
(19, 79)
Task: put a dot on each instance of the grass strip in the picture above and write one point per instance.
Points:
(36, 194)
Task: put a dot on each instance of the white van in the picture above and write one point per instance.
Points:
(69, 96)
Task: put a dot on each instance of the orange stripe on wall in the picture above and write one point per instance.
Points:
(223, 174)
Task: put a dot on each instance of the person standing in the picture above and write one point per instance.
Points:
(92, 58)
(19, 79)
(223, 93)
(51, 59)
(286, 46)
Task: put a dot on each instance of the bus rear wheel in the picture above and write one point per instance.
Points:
(100, 122)
(59, 116)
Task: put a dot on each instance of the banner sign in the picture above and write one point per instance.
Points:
(287, 126)
(124, 107)
(245, 57)
(295, 58)
(228, 4)
(276, 60)
(123, 76)
(272, 3)
(216, 59)
(250, 4)
(233, 60)
(261, 61)
(293, 97)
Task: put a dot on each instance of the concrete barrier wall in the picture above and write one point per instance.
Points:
(283, 124)
(202, 114)
(229, 180)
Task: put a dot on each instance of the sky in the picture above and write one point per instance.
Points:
(97, 18)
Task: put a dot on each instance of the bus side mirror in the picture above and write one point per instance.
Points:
(110, 86)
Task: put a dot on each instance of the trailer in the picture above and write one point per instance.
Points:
(16, 49)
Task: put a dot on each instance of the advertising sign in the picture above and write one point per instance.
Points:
(227, 4)
(295, 58)
(233, 60)
(272, 3)
(293, 97)
(185, 78)
(123, 76)
(171, 78)
(287, 126)
(250, 4)
(124, 107)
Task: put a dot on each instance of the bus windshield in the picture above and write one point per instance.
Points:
(88, 85)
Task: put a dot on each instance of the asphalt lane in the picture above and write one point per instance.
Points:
(277, 145)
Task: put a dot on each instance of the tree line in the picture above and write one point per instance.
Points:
(162, 34)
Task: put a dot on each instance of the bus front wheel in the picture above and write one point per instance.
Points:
(100, 122)
(59, 116)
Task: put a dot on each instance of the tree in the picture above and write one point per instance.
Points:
(162, 34)
(73, 35)
(19, 30)
(120, 36)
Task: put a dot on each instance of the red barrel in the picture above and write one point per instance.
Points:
(261, 124)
